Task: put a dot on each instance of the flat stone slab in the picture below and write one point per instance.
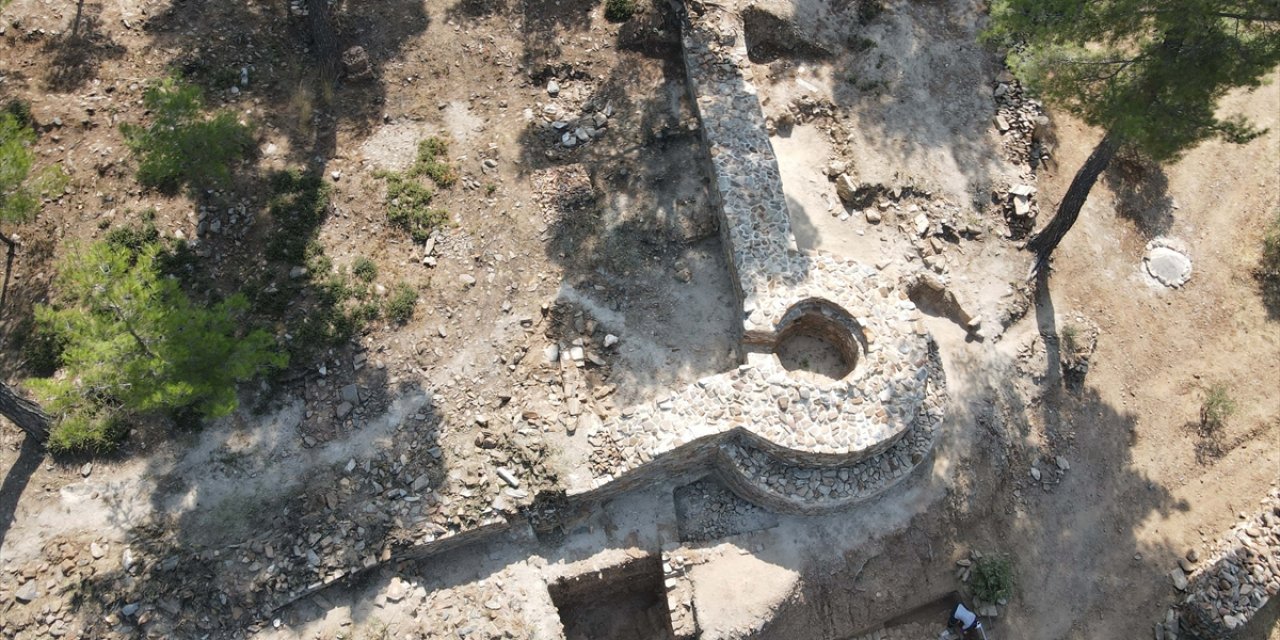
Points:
(1167, 262)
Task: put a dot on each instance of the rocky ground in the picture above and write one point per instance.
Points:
(581, 274)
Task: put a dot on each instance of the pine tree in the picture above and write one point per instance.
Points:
(184, 145)
(20, 196)
(1148, 72)
(21, 192)
(135, 342)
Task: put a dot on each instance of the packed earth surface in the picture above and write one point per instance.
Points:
(559, 441)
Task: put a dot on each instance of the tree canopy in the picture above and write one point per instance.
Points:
(135, 342)
(183, 146)
(1149, 71)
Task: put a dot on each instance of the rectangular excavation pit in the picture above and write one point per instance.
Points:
(622, 602)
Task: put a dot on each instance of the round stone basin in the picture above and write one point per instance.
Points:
(819, 340)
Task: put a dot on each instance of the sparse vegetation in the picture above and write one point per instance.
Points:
(400, 304)
(432, 162)
(300, 202)
(339, 309)
(20, 192)
(21, 110)
(409, 201)
(619, 10)
(364, 269)
(1268, 269)
(409, 207)
(1070, 339)
(136, 343)
(184, 146)
(1217, 408)
(993, 579)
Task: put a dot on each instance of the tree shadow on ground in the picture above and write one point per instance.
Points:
(1213, 443)
(220, 486)
(465, 10)
(546, 23)
(1269, 290)
(245, 516)
(1266, 273)
(259, 234)
(213, 42)
(628, 212)
(889, 71)
(1142, 195)
(1264, 623)
(15, 482)
(1078, 527)
(77, 54)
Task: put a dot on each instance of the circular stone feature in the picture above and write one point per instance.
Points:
(1167, 262)
(817, 338)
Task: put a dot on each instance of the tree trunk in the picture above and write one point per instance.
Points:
(8, 266)
(324, 38)
(1047, 240)
(26, 414)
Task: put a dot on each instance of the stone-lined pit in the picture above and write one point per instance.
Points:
(622, 601)
(818, 338)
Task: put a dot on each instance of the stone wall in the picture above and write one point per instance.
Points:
(1235, 581)
(767, 429)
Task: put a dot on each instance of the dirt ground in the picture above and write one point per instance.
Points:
(905, 99)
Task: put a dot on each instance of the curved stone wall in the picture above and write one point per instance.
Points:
(786, 488)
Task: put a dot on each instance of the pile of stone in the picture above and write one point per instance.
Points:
(802, 109)
(1027, 139)
(679, 590)
(577, 342)
(569, 127)
(929, 220)
(357, 515)
(235, 221)
(708, 510)
(1232, 583)
(1021, 122)
(356, 65)
(30, 593)
(509, 603)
